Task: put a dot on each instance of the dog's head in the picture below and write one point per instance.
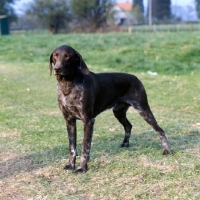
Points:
(66, 61)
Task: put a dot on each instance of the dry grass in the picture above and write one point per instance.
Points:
(34, 143)
(9, 134)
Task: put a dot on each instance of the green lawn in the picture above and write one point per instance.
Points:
(34, 143)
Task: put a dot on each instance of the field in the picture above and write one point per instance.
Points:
(34, 143)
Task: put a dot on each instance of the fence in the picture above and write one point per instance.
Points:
(163, 28)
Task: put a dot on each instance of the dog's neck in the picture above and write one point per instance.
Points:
(66, 84)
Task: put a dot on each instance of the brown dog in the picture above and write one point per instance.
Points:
(83, 95)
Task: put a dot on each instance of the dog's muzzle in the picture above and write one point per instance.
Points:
(57, 70)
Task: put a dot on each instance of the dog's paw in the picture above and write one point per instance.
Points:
(167, 152)
(69, 167)
(80, 170)
(125, 144)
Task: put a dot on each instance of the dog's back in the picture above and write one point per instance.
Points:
(111, 88)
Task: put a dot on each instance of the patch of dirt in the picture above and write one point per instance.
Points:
(9, 134)
(7, 156)
(196, 126)
(16, 165)
(161, 166)
(51, 113)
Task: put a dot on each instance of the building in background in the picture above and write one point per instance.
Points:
(122, 13)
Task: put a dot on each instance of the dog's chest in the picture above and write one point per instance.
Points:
(70, 100)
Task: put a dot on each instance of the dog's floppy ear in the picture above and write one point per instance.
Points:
(83, 66)
(50, 63)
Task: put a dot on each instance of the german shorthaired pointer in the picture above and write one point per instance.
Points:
(82, 95)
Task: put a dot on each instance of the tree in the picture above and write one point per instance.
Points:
(54, 14)
(161, 10)
(198, 8)
(139, 3)
(138, 11)
(7, 9)
(92, 14)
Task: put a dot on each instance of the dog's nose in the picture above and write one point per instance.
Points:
(57, 68)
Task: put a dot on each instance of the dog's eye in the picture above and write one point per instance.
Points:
(66, 56)
(55, 55)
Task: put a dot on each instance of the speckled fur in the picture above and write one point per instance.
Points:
(82, 95)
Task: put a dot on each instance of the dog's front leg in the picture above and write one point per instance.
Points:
(71, 129)
(88, 131)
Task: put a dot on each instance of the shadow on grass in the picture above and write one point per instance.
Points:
(141, 144)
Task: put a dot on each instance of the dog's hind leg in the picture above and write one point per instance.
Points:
(119, 111)
(145, 111)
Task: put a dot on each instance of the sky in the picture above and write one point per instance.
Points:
(20, 4)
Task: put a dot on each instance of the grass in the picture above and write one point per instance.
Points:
(34, 143)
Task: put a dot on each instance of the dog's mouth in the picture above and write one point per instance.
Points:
(57, 72)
